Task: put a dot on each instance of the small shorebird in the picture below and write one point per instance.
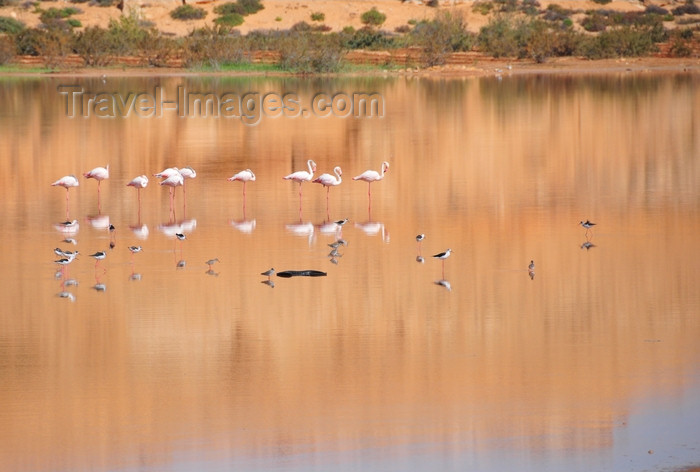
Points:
(211, 262)
(69, 254)
(66, 182)
(419, 239)
(341, 222)
(531, 267)
(99, 255)
(587, 224)
(180, 236)
(443, 256)
(268, 273)
(135, 249)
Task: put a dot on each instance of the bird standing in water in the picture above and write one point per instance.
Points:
(66, 182)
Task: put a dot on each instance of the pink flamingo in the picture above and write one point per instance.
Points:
(99, 174)
(66, 182)
(370, 176)
(328, 180)
(173, 181)
(243, 176)
(138, 183)
(169, 172)
(301, 177)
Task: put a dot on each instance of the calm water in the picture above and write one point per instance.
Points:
(590, 365)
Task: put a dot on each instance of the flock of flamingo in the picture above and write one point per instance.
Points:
(174, 177)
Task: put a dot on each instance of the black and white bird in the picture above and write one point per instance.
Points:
(443, 256)
(587, 224)
(180, 236)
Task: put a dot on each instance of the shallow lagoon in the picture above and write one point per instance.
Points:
(588, 365)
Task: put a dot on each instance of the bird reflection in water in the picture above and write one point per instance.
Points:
(302, 229)
(587, 245)
(67, 295)
(210, 270)
(531, 270)
(444, 283)
(244, 226)
(372, 228)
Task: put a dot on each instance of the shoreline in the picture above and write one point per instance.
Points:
(474, 66)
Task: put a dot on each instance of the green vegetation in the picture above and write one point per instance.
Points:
(188, 12)
(229, 19)
(10, 25)
(373, 17)
(517, 28)
(438, 38)
(7, 50)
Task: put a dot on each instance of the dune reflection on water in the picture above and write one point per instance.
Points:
(163, 360)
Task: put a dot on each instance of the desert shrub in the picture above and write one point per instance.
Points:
(373, 17)
(79, 1)
(10, 26)
(506, 6)
(158, 48)
(229, 19)
(229, 8)
(251, 6)
(594, 22)
(188, 12)
(482, 7)
(53, 44)
(103, 3)
(623, 41)
(500, 37)
(57, 14)
(656, 10)
(301, 27)
(681, 43)
(318, 16)
(7, 49)
(556, 12)
(402, 29)
(74, 22)
(94, 47)
(8, 3)
(602, 2)
(368, 38)
(443, 35)
(311, 52)
(214, 47)
(688, 9)
(125, 35)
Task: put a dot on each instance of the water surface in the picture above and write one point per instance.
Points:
(590, 363)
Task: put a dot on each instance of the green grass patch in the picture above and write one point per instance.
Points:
(188, 12)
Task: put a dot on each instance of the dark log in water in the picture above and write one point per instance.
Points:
(301, 273)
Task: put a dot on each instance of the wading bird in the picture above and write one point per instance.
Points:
(328, 181)
(66, 182)
(99, 174)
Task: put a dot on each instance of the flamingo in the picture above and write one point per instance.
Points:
(327, 180)
(138, 183)
(302, 176)
(173, 181)
(169, 172)
(370, 176)
(243, 176)
(99, 174)
(66, 182)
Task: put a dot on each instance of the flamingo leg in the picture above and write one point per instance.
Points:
(67, 195)
(99, 203)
